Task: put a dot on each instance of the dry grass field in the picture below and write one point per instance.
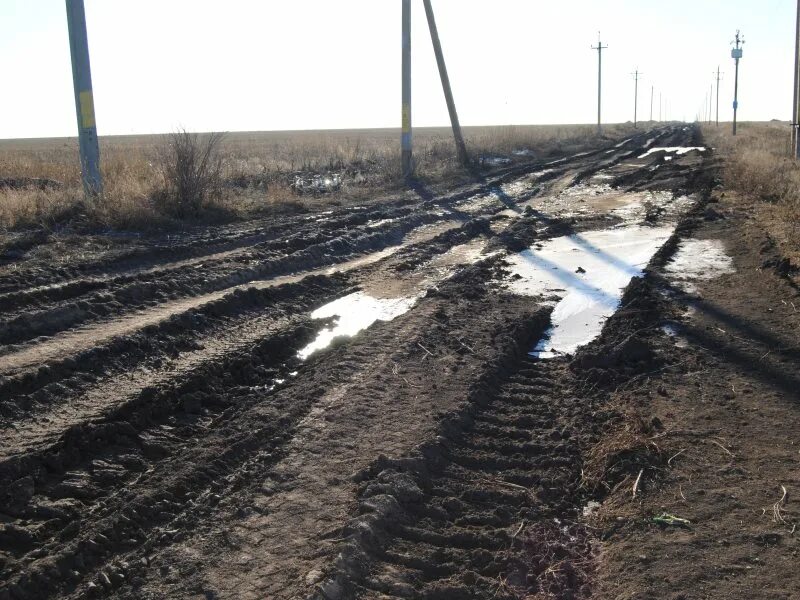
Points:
(40, 178)
(757, 165)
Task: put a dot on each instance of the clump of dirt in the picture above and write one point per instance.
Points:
(561, 564)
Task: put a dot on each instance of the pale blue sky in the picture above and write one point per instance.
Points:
(274, 64)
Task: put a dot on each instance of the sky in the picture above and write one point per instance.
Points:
(252, 65)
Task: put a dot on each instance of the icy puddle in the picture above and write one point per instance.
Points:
(585, 274)
(697, 260)
(674, 150)
(354, 313)
(384, 300)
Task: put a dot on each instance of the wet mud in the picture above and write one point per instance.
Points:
(340, 404)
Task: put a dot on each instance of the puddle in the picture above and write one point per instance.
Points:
(674, 150)
(494, 161)
(355, 313)
(585, 274)
(317, 182)
(697, 260)
(524, 152)
(378, 222)
(661, 204)
(384, 300)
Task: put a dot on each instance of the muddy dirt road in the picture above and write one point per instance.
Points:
(389, 400)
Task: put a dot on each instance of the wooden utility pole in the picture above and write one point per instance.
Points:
(599, 49)
(405, 136)
(461, 149)
(84, 99)
(710, 101)
(635, 96)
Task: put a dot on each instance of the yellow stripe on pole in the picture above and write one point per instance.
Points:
(406, 118)
(87, 109)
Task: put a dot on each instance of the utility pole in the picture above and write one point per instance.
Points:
(599, 49)
(660, 105)
(704, 111)
(405, 136)
(719, 76)
(652, 90)
(796, 103)
(84, 100)
(635, 95)
(461, 149)
(736, 54)
(710, 101)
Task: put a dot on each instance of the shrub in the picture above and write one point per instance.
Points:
(191, 169)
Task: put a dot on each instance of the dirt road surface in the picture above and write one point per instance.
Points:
(492, 392)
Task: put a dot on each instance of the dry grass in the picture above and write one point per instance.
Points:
(758, 165)
(259, 169)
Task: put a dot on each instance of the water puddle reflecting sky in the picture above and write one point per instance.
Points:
(354, 312)
(587, 274)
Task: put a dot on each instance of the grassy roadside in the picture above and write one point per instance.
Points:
(261, 173)
(757, 167)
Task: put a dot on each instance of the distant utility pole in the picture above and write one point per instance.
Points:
(719, 77)
(736, 54)
(84, 101)
(796, 103)
(635, 95)
(599, 49)
(704, 110)
(660, 105)
(710, 101)
(461, 149)
(652, 90)
(405, 136)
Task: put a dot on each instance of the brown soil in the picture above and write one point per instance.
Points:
(160, 437)
(726, 405)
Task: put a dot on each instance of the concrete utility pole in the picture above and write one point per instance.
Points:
(796, 103)
(461, 149)
(84, 101)
(635, 95)
(719, 77)
(736, 54)
(405, 136)
(652, 90)
(599, 49)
